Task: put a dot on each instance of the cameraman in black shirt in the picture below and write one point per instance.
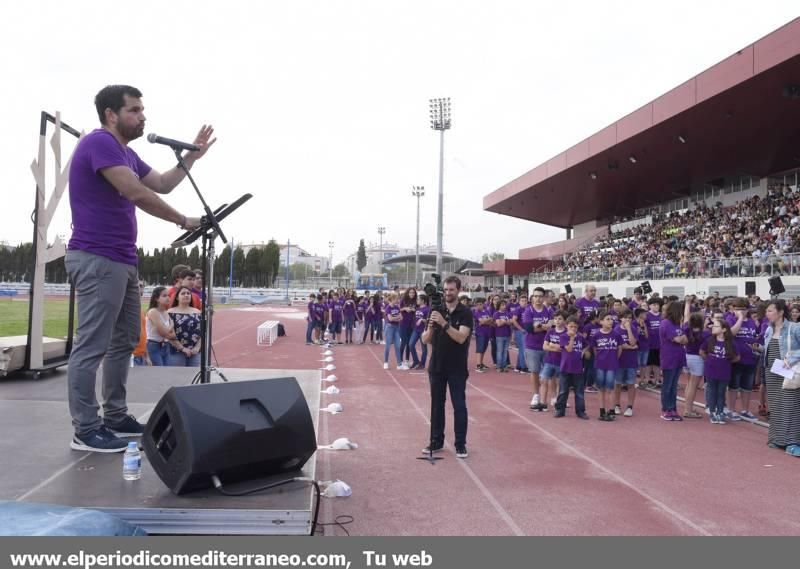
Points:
(449, 335)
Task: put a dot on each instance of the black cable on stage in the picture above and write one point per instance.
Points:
(218, 485)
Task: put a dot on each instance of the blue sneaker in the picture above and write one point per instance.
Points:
(128, 427)
(99, 440)
(747, 415)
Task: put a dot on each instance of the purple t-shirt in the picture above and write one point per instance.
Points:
(319, 311)
(336, 307)
(747, 335)
(421, 314)
(311, 311)
(653, 324)
(717, 366)
(407, 323)
(586, 306)
(700, 339)
(572, 362)
(633, 305)
(629, 358)
(673, 355)
(361, 309)
(502, 331)
(553, 337)
(483, 330)
(605, 346)
(349, 308)
(518, 312)
(103, 220)
(392, 310)
(643, 340)
(589, 330)
(535, 340)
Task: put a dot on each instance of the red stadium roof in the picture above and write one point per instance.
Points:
(736, 118)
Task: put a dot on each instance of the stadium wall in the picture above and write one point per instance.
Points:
(677, 287)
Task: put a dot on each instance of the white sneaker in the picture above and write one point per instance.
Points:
(708, 411)
(385, 366)
(628, 412)
(553, 402)
(535, 400)
(403, 367)
(617, 410)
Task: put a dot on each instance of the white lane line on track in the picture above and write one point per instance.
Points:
(658, 503)
(474, 477)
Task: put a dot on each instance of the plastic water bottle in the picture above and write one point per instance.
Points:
(132, 462)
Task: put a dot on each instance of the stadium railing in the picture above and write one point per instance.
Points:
(773, 265)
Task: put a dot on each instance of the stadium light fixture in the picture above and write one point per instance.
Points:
(417, 192)
(632, 158)
(441, 121)
(682, 139)
(593, 175)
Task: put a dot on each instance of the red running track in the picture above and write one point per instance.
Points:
(527, 473)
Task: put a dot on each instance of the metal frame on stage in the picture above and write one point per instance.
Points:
(43, 252)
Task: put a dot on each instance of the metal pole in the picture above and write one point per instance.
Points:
(230, 274)
(288, 252)
(416, 260)
(330, 265)
(441, 204)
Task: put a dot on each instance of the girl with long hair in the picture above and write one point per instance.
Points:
(185, 348)
(719, 352)
(159, 327)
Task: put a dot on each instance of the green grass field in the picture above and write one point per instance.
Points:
(14, 317)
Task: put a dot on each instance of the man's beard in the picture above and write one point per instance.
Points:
(450, 299)
(131, 133)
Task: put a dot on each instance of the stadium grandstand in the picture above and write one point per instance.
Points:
(696, 191)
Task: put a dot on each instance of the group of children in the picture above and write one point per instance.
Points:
(581, 345)
(393, 319)
(603, 345)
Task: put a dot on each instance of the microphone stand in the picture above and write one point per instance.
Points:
(209, 230)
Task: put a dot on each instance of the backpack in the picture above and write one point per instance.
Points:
(281, 330)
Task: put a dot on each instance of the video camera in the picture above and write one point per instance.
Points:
(436, 293)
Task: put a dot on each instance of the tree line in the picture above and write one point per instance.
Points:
(258, 268)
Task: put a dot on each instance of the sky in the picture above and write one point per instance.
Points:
(321, 107)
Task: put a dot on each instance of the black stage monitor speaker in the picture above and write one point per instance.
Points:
(749, 288)
(646, 288)
(568, 288)
(776, 286)
(238, 431)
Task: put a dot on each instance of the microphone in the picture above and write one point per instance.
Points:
(176, 144)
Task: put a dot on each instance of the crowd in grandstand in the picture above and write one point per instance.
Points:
(754, 237)
(610, 346)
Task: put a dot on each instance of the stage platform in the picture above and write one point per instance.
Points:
(35, 432)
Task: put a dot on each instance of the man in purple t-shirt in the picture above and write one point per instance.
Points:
(588, 303)
(107, 182)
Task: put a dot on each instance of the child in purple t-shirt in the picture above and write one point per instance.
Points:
(502, 320)
(653, 320)
(628, 361)
(574, 349)
(719, 353)
(420, 322)
(551, 364)
(696, 336)
(607, 347)
(484, 317)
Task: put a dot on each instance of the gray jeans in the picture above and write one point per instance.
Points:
(108, 326)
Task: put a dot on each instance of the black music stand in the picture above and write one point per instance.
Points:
(209, 230)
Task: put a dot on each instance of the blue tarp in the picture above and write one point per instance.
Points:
(23, 518)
